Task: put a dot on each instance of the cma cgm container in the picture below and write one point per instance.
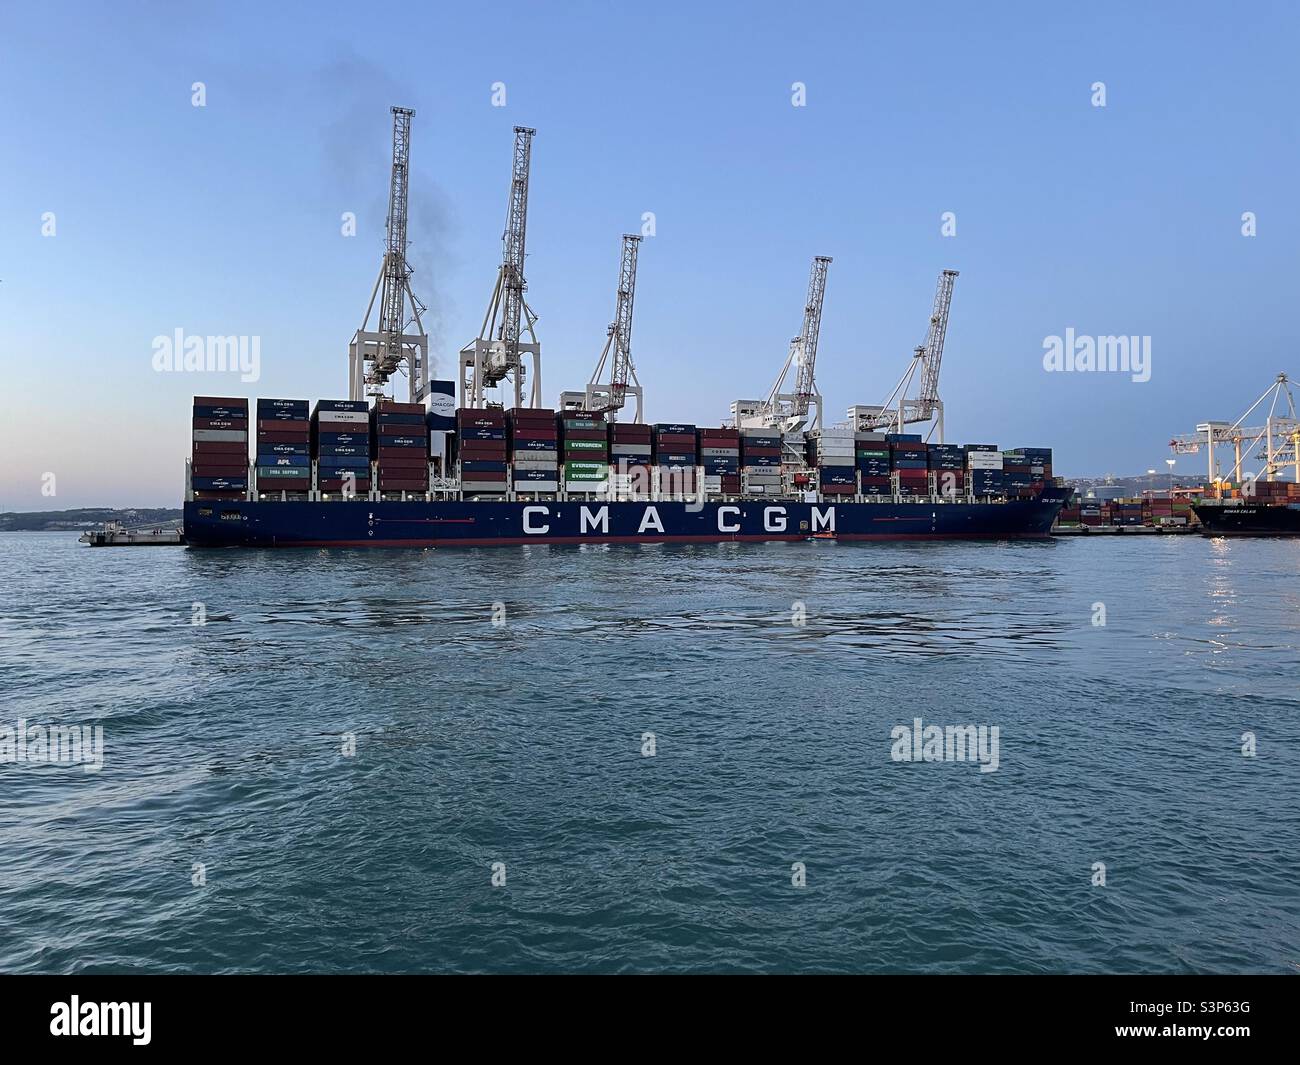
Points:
(340, 446)
(481, 452)
(631, 459)
(399, 442)
(534, 455)
(283, 462)
(719, 458)
(760, 461)
(219, 448)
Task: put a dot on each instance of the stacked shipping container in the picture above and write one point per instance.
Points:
(909, 461)
(948, 468)
(534, 449)
(760, 461)
(340, 442)
(481, 450)
(872, 452)
(835, 447)
(400, 444)
(720, 459)
(283, 446)
(585, 447)
(630, 457)
(984, 469)
(676, 454)
(219, 455)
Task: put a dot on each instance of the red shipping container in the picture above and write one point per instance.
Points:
(390, 485)
(283, 436)
(360, 428)
(675, 441)
(484, 416)
(285, 425)
(529, 433)
(485, 475)
(283, 484)
(206, 470)
(388, 406)
(585, 434)
(334, 484)
(760, 452)
(220, 447)
(219, 401)
(401, 462)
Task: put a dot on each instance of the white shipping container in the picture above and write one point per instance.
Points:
(353, 417)
(534, 464)
(984, 460)
(720, 452)
(629, 449)
(537, 486)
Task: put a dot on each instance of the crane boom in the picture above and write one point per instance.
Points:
(929, 395)
(622, 330)
(609, 398)
(374, 356)
(812, 324)
(497, 352)
(898, 410)
(512, 258)
(789, 410)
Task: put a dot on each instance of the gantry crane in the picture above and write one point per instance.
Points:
(375, 355)
(1278, 439)
(497, 354)
(788, 411)
(898, 410)
(608, 398)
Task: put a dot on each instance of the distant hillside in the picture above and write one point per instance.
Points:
(91, 517)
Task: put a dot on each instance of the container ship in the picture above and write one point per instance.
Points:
(1272, 509)
(452, 467)
(352, 474)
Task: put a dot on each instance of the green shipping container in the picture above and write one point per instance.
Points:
(585, 445)
(872, 454)
(582, 423)
(585, 471)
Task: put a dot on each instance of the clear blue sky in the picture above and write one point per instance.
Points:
(226, 219)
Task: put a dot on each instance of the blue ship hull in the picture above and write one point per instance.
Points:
(361, 523)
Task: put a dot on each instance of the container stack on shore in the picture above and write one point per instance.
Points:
(984, 467)
(760, 461)
(835, 446)
(585, 448)
(909, 461)
(340, 443)
(676, 454)
(219, 448)
(283, 446)
(630, 457)
(481, 451)
(720, 459)
(399, 441)
(534, 449)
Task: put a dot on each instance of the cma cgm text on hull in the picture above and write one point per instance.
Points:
(361, 523)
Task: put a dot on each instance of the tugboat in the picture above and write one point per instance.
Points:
(115, 534)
